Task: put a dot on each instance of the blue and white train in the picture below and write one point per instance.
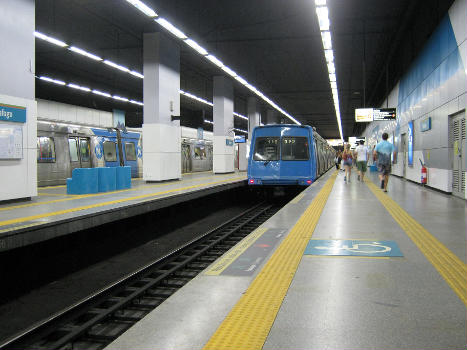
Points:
(287, 155)
(62, 147)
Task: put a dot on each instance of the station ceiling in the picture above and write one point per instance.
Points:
(274, 44)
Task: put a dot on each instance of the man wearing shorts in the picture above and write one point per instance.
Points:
(383, 152)
(361, 153)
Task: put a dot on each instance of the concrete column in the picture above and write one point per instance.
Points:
(223, 145)
(272, 117)
(253, 114)
(161, 86)
(18, 108)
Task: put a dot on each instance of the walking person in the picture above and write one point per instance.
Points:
(361, 153)
(382, 152)
(347, 158)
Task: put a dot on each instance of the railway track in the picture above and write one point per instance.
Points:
(96, 321)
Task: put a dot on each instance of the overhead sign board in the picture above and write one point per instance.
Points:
(374, 114)
(384, 114)
(364, 115)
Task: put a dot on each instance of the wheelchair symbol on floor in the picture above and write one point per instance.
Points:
(366, 248)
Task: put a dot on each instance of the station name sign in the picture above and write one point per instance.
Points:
(374, 114)
(11, 113)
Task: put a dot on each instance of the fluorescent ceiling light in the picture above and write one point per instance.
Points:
(194, 97)
(137, 102)
(215, 60)
(332, 77)
(331, 67)
(116, 97)
(320, 2)
(329, 54)
(229, 71)
(240, 116)
(208, 121)
(137, 74)
(113, 64)
(193, 44)
(84, 53)
(333, 85)
(251, 87)
(55, 81)
(143, 8)
(83, 88)
(50, 39)
(241, 80)
(326, 38)
(171, 28)
(240, 130)
(323, 18)
(97, 92)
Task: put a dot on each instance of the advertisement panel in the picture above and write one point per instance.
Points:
(364, 115)
(410, 144)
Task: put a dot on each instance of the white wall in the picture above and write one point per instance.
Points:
(62, 112)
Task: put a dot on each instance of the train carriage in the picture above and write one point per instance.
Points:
(286, 155)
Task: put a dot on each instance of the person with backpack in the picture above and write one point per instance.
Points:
(382, 152)
(361, 153)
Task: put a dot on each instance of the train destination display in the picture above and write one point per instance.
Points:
(374, 114)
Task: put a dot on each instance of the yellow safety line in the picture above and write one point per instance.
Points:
(249, 322)
(71, 210)
(53, 194)
(451, 268)
(79, 196)
(234, 252)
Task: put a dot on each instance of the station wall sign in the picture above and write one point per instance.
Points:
(425, 124)
(410, 143)
(11, 113)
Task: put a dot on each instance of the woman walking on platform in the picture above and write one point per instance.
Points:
(347, 157)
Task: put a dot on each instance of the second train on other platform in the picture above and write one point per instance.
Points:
(287, 155)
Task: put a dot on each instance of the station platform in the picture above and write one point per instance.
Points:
(53, 213)
(342, 266)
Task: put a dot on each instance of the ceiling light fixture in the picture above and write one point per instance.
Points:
(171, 28)
(50, 80)
(136, 74)
(84, 53)
(323, 19)
(113, 64)
(83, 88)
(195, 46)
(50, 39)
(143, 8)
(215, 60)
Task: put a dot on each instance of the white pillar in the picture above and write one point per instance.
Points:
(223, 145)
(161, 86)
(272, 117)
(18, 108)
(253, 114)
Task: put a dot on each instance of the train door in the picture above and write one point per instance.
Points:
(404, 154)
(186, 164)
(316, 158)
(80, 156)
(131, 157)
(457, 145)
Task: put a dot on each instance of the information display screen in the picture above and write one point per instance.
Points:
(384, 114)
(364, 115)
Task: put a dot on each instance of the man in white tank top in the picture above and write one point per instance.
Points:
(361, 153)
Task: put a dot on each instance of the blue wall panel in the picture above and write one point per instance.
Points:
(439, 60)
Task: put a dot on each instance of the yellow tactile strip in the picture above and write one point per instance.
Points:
(147, 196)
(453, 270)
(248, 324)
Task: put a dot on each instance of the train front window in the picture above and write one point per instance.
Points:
(73, 147)
(295, 148)
(110, 151)
(130, 151)
(45, 150)
(84, 149)
(266, 149)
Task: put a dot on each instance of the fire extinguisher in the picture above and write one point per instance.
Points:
(424, 173)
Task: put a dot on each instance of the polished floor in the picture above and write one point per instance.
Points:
(414, 301)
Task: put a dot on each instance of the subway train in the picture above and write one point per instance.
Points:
(62, 147)
(287, 155)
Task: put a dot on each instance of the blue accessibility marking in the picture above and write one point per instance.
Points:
(352, 248)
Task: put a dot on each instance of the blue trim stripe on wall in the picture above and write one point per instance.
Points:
(439, 60)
